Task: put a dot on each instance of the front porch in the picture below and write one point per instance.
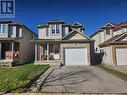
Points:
(9, 53)
(47, 53)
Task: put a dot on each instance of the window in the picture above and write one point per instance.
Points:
(101, 51)
(2, 28)
(47, 32)
(108, 31)
(57, 28)
(56, 49)
(53, 29)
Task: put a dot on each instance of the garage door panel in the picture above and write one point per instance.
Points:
(121, 56)
(76, 56)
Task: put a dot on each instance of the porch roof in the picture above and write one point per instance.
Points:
(60, 41)
(9, 39)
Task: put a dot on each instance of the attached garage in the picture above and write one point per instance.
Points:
(76, 49)
(117, 50)
(121, 56)
(76, 56)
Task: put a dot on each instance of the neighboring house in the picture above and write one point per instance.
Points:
(121, 28)
(61, 43)
(102, 35)
(111, 44)
(15, 45)
(115, 50)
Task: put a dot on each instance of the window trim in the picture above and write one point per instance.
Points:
(55, 29)
(109, 31)
(1, 28)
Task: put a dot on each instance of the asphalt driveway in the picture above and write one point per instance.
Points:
(83, 79)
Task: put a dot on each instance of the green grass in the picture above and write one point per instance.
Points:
(17, 78)
(114, 72)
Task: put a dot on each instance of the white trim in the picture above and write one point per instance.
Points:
(47, 51)
(55, 25)
(12, 47)
(108, 24)
(1, 28)
(36, 52)
(77, 23)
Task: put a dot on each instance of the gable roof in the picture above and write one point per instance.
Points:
(12, 22)
(108, 25)
(114, 40)
(121, 25)
(74, 30)
(76, 24)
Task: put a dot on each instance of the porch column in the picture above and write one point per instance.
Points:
(35, 52)
(47, 51)
(12, 49)
(0, 51)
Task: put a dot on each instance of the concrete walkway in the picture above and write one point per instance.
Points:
(83, 79)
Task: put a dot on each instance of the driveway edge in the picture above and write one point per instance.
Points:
(38, 84)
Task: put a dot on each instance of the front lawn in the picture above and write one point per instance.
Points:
(15, 79)
(114, 72)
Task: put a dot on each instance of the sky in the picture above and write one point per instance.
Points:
(92, 14)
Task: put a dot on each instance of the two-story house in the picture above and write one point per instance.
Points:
(15, 45)
(102, 35)
(61, 43)
(115, 48)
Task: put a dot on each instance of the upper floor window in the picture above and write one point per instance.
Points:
(55, 28)
(2, 28)
(47, 32)
(108, 31)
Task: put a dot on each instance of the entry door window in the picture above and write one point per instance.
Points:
(56, 49)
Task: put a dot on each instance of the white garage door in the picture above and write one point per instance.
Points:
(76, 56)
(121, 56)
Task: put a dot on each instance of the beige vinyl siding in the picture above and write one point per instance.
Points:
(77, 36)
(41, 33)
(102, 37)
(117, 32)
